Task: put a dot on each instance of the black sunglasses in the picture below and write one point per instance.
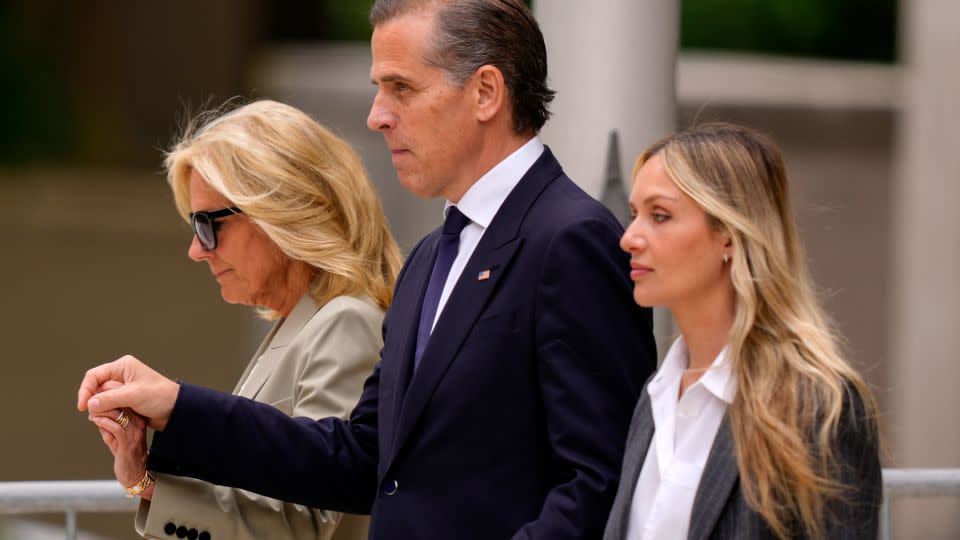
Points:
(205, 225)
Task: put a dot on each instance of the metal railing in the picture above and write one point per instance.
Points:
(73, 497)
(67, 497)
(914, 483)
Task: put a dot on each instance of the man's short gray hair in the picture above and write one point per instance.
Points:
(473, 33)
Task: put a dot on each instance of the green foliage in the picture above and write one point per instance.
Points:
(34, 93)
(348, 20)
(837, 29)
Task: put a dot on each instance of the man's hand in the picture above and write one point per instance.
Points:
(143, 390)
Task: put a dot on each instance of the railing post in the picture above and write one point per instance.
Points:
(71, 524)
(886, 519)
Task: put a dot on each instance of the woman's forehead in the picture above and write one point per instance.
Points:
(652, 181)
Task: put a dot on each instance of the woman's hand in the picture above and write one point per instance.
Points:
(127, 444)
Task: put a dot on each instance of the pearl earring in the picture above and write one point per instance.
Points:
(726, 258)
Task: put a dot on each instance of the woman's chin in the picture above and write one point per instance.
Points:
(643, 299)
(230, 296)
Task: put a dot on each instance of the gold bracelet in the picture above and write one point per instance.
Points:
(149, 479)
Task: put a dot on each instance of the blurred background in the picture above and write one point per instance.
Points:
(862, 96)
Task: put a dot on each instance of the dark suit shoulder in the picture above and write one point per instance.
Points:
(567, 204)
(416, 249)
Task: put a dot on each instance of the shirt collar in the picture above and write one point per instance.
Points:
(670, 369)
(481, 202)
(718, 380)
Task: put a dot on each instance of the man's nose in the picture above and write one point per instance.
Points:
(380, 117)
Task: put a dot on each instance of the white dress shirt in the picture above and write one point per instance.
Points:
(481, 202)
(683, 435)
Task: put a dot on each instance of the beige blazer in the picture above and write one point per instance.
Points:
(312, 363)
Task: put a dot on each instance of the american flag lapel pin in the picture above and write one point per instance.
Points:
(484, 275)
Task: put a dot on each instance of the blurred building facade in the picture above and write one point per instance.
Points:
(96, 265)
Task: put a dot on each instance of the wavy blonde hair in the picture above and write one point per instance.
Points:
(305, 187)
(793, 381)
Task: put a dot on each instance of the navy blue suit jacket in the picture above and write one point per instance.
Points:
(515, 421)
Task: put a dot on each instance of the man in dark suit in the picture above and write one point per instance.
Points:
(513, 352)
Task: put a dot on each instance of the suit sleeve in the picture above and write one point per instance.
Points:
(333, 354)
(327, 463)
(595, 349)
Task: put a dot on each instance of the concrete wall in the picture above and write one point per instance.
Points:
(925, 261)
(95, 267)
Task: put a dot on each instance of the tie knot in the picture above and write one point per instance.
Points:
(455, 221)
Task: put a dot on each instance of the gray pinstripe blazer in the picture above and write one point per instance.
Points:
(719, 509)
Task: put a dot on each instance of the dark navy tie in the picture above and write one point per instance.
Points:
(449, 243)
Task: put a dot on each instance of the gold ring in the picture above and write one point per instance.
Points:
(123, 419)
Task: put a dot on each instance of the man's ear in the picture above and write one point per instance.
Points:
(490, 90)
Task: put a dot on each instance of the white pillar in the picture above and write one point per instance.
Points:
(613, 65)
(925, 342)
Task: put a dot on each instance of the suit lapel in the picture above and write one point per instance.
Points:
(719, 477)
(405, 316)
(470, 295)
(468, 299)
(641, 435)
(263, 368)
(256, 356)
(283, 332)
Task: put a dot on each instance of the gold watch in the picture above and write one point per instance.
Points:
(149, 479)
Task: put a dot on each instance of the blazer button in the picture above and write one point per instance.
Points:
(390, 487)
(169, 528)
(204, 536)
(192, 534)
(181, 532)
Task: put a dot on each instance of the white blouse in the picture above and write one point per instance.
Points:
(682, 438)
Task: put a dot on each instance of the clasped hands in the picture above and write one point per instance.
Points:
(142, 396)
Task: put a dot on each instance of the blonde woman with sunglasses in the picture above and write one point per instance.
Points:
(286, 220)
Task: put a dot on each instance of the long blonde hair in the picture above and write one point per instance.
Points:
(793, 381)
(305, 187)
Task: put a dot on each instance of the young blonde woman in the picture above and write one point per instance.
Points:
(286, 220)
(754, 426)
